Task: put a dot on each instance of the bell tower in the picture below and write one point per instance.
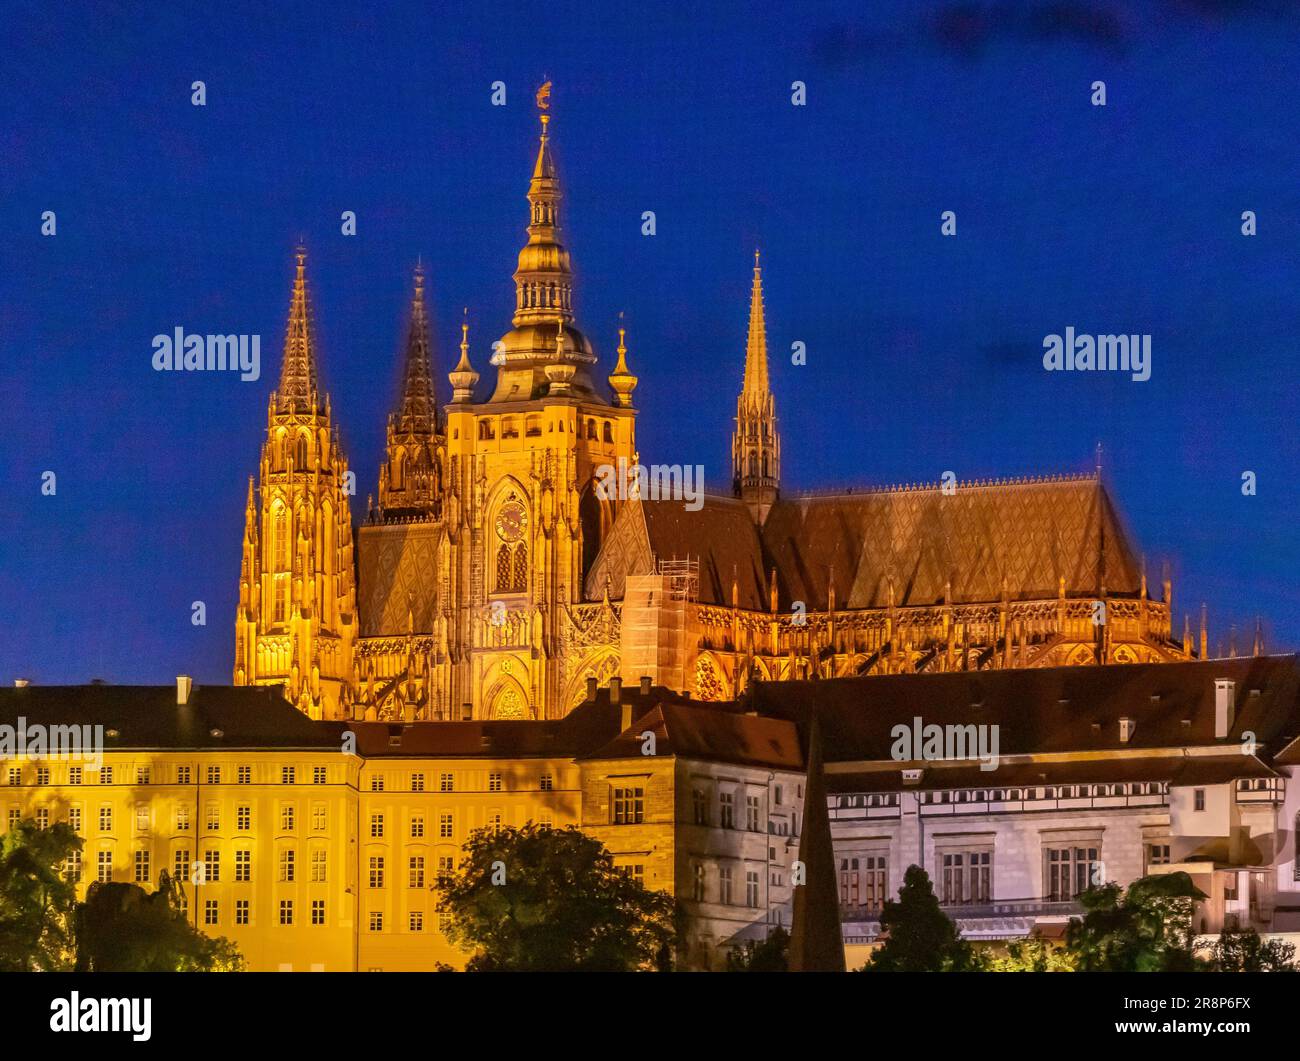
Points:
(296, 623)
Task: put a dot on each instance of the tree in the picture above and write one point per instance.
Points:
(771, 955)
(121, 928)
(36, 898)
(1147, 928)
(918, 936)
(1031, 955)
(545, 899)
(1245, 952)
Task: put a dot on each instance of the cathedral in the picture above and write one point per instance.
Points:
(489, 578)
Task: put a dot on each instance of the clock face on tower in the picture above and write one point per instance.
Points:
(511, 521)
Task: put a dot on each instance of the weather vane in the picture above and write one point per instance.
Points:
(544, 97)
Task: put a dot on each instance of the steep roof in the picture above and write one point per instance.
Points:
(1022, 535)
(695, 732)
(147, 716)
(1056, 709)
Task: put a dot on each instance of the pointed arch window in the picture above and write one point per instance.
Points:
(300, 460)
(521, 567)
(504, 570)
(280, 534)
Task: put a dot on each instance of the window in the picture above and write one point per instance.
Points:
(1198, 799)
(417, 782)
(376, 871)
(74, 818)
(376, 921)
(142, 867)
(318, 775)
(43, 775)
(377, 826)
(318, 911)
(521, 567)
(244, 819)
(728, 806)
(377, 784)
(751, 889)
(213, 818)
(141, 775)
(494, 782)
(241, 911)
(214, 775)
(417, 826)
(287, 775)
(286, 865)
(850, 882)
(318, 817)
(724, 885)
(106, 775)
(416, 921)
(628, 806)
(698, 884)
(446, 867)
(182, 818)
(244, 775)
(182, 775)
(15, 775)
(286, 911)
(74, 775)
(874, 881)
(445, 783)
(105, 819)
(318, 867)
(210, 911)
(547, 783)
(776, 796)
(42, 817)
(1157, 854)
(966, 877)
(286, 817)
(1069, 871)
(751, 814)
(415, 872)
(494, 822)
(181, 864)
(15, 816)
(243, 866)
(444, 825)
(211, 866)
(72, 868)
(700, 805)
(105, 865)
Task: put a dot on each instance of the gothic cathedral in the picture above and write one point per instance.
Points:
(493, 580)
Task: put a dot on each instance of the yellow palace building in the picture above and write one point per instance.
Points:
(491, 576)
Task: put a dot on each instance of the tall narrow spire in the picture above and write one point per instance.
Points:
(756, 382)
(756, 445)
(298, 383)
(463, 377)
(417, 410)
(621, 381)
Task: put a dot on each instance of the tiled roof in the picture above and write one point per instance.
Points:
(1024, 535)
(147, 716)
(696, 732)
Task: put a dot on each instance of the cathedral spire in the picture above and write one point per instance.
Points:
(544, 277)
(756, 445)
(298, 383)
(417, 411)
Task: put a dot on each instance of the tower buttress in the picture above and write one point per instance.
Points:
(756, 445)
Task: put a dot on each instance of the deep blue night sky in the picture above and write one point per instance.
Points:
(924, 352)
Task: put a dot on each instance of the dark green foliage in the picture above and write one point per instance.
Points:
(36, 899)
(919, 936)
(1147, 928)
(539, 898)
(771, 955)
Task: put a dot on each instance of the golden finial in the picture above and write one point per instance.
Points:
(544, 96)
(464, 333)
(621, 381)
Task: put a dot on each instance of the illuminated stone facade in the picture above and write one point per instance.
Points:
(493, 578)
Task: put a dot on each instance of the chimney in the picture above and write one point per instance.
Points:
(184, 683)
(625, 723)
(591, 689)
(645, 684)
(1126, 728)
(1225, 703)
(20, 683)
(466, 712)
(615, 689)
